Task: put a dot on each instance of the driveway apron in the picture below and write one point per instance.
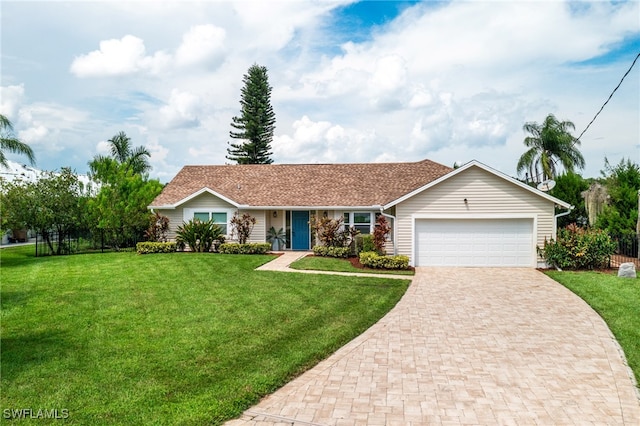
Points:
(468, 346)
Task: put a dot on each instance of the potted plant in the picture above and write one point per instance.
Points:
(276, 238)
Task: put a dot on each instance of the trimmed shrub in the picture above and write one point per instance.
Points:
(578, 248)
(374, 260)
(328, 251)
(247, 248)
(155, 247)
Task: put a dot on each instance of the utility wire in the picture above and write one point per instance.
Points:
(608, 99)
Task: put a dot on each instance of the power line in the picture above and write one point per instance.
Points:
(608, 99)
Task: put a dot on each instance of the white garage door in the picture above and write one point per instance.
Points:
(474, 242)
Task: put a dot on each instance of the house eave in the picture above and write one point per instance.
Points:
(486, 168)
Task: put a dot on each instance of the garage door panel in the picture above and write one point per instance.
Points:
(474, 242)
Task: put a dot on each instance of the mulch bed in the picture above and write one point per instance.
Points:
(355, 262)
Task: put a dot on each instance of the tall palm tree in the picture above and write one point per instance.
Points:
(550, 144)
(136, 158)
(10, 143)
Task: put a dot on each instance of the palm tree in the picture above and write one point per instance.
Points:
(549, 144)
(135, 159)
(10, 143)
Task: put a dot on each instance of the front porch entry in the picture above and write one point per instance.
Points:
(300, 234)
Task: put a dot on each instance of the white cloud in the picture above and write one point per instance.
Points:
(182, 110)
(11, 98)
(200, 44)
(118, 57)
(33, 134)
(447, 81)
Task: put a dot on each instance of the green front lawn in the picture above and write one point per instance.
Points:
(181, 338)
(617, 300)
(319, 263)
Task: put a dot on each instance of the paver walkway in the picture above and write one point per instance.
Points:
(468, 346)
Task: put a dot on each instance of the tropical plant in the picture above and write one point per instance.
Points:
(276, 238)
(158, 228)
(242, 226)
(380, 233)
(135, 159)
(256, 123)
(549, 144)
(198, 235)
(332, 233)
(8, 142)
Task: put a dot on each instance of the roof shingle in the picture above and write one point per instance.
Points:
(309, 185)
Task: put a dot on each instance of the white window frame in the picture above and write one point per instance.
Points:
(372, 217)
(188, 214)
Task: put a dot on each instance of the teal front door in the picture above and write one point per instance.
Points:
(300, 230)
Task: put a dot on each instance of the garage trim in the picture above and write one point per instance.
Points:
(494, 216)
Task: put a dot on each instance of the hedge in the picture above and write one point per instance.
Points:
(327, 251)
(374, 260)
(247, 248)
(154, 247)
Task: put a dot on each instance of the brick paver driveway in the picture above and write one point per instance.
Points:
(468, 346)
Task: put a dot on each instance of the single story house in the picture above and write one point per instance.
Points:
(470, 216)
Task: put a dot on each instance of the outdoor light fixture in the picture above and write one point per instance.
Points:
(275, 213)
(466, 201)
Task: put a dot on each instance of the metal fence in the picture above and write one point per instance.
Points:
(626, 251)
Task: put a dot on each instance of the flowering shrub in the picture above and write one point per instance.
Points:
(579, 248)
(374, 260)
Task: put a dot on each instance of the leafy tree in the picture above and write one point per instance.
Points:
(136, 159)
(569, 188)
(54, 206)
(620, 216)
(119, 210)
(256, 123)
(8, 142)
(549, 144)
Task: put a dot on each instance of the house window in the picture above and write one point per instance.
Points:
(362, 222)
(219, 218)
(359, 220)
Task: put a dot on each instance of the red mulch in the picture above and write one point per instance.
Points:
(355, 261)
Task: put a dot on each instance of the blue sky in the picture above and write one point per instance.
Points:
(352, 81)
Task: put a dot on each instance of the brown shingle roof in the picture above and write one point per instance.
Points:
(312, 185)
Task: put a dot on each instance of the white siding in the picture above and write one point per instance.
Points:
(487, 196)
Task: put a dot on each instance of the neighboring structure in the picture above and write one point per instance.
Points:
(470, 216)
